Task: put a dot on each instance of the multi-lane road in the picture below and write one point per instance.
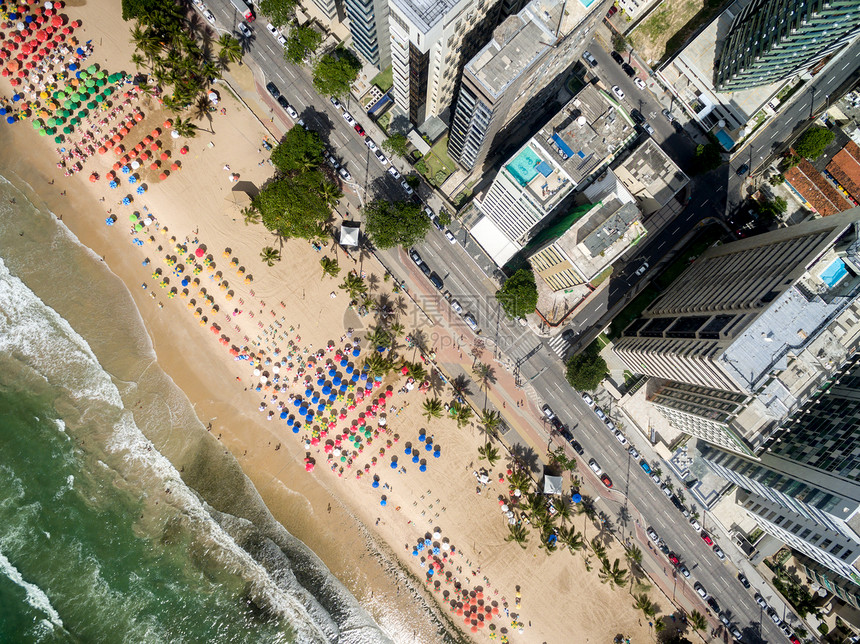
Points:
(538, 365)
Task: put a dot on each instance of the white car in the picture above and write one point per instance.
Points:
(620, 437)
(244, 29)
(695, 525)
(599, 412)
(406, 187)
(701, 590)
(370, 144)
(344, 174)
(471, 321)
(719, 552)
(393, 172)
(456, 306)
(209, 16)
(595, 467)
(618, 91)
(348, 118)
(381, 157)
(282, 40)
(639, 83)
(272, 29)
(655, 478)
(633, 451)
(335, 102)
(450, 237)
(588, 399)
(332, 161)
(292, 112)
(642, 268)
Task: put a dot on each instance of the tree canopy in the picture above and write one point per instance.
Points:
(132, 9)
(708, 157)
(301, 43)
(295, 205)
(585, 370)
(518, 295)
(335, 72)
(811, 144)
(299, 150)
(279, 12)
(395, 223)
(396, 144)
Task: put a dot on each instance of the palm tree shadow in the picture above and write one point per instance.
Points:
(524, 456)
(460, 385)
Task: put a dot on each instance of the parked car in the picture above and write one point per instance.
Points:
(701, 590)
(370, 144)
(719, 552)
(470, 320)
(620, 437)
(666, 113)
(273, 89)
(760, 601)
(456, 306)
(606, 480)
(612, 11)
(425, 269)
(436, 223)
(713, 604)
(346, 176)
(599, 412)
(450, 236)
(281, 40)
(272, 29)
(637, 116)
(591, 60)
(655, 478)
(292, 112)
(381, 157)
(639, 83)
(673, 558)
(773, 616)
(642, 269)
(209, 16)
(348, 117)
(407, 188)
(617, 57)
(644, 465)
(282, 101)
(577, 447)
(684, 571)
(393, 172)
(245, 30)
(652, 534)
(786, 629)
(647, 127)
(628, 70)
(413, 254)
(737, 634)
(695, 524)
(677, 127)
(332, 161)
(594, 467)
(707, 538)
(609, 424)
(632, 451)
(618, 91)
(744, 581)
(666, 490)
(357, 127)
(436, 280)
(548, 412)
(334, 101)
(588, 399)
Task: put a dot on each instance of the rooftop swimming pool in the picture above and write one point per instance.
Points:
(834, 273)
(524, 166)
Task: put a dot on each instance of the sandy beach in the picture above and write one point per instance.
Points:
(283, 316)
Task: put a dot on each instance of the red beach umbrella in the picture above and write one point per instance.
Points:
(174, 166)
(154, 166)
(165, 156)
(162, 176)
(155, 146)
(183, 149)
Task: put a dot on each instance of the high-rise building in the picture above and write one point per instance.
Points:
(578, 142)
(528, 52)
(368, 24)
(771, 40)
(430, 41)
(732, 318)
(804, 487)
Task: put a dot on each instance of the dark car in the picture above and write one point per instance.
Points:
(666, 114)
(556, 424)
(273, 90)
(576, 447)
(425, 269)
(437, 281)
(617, 57)
(713, 604)
(612, 11)
(438, 224)
(283, 102)
(744, 581)
(569, 335)
(743, 170)
(565, 433)
(637, 116)
(628, 70)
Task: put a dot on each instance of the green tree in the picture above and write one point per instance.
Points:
(613, 575)
(520, 480)
(270, 255)
(185, 128)
(585, 370)
(229, 48)
(518, 295)
(812, 143)
(489, 453)
(698, 621)
(396, 144)
(301, 43)
(773, 208)
(571, 538)
(335, 72)
(293, 206)
(462, 414)
(250, 215)
(279, 12)
(418, 372)
(132, 9)
(300, 150)
(353, 285)
(708, 157)
(378, 337)
(432, 408)
(599, 549)
(378, 364)
(490, 421)
(619, 43)
(518, 533)
(644, 603)
(395, 223)
(330, 267)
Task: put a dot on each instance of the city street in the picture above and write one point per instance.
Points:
(536, 363)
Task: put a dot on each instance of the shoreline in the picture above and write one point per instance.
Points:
(193, 200)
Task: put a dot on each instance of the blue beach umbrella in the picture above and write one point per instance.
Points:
(308, 393)
(10, 119)
(364, 375)
(132, 179)
(437, 454)
(415, 457)
(356, 352)
(321, 407)
(283, 415)
(297, 402)
(342, 387)
(332, 373)
(350, 369)
(375, 484)
(140, 190)
(185, 282)
(315, 399)
(408, 450)
(415, 552)
(320, 381)
(290, 421)
(296, 428)
(303, 411)
(393, 465)
(336, 381)
(309, 418)
(112, 185)
(344, 362)
(326, 390)
(429, 446)
(422, 468)
(332, 397)
(576, 498)
(382, 501)
(354, 377)
(421, 545)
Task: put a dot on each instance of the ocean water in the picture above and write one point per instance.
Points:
(102, 539)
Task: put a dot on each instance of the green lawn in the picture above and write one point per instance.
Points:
(384, 79)
(439, 164)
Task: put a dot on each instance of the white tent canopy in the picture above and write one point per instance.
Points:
(552, 485)
(349, 234)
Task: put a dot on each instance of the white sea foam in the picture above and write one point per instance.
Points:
(36, 597)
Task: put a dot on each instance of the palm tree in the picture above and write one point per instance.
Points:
(546, 543)
(698, 621)
(137, 60)
(396, 329)
(613, 575)
(518, 534)
(599, 549)
(659, 625)
(634, 556)
(571, 538)
(185, 128)
(270, 256)
(488, 453)
(378, 365)
(330, 267)
(432, 408)
(378, 337)
(353, 285)
(520, 480)
(251, 215)
(644, 603)
(230, 48)
(562, 510)
(330, 193)
(462, 414)
(490, 420)
(418, 372)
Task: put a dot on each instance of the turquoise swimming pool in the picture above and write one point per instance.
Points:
(524, 166)
(586, 3)
(834, 273)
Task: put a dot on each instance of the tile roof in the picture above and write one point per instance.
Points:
(817, 190)
(845, 168)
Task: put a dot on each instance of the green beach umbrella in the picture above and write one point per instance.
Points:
(138, 226)
(92, 105)
(100, 75)
(58, 138)
(43, 132)
(100, 82)
(67, 130)
(133, 217)
(37, 124)
(91, 83)
(100, 98)
(92, 69)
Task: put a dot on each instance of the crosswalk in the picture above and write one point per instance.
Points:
(559, 345)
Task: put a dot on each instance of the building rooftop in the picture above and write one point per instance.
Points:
(587, 133)
(651, 176)
(425, 14)
(607, 226)
(516, 43)
(845, 168)
(816, 189)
